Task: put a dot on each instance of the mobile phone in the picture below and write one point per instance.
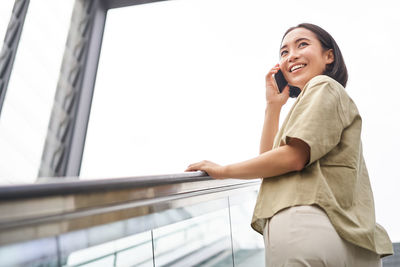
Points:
(281, 82)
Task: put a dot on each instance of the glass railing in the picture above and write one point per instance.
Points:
(183, 219)
(172, 220)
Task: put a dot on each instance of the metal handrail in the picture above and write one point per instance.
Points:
(72, 185)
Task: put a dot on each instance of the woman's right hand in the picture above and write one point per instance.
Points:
(274, 97)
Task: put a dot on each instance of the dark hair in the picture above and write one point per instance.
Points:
(337, 69)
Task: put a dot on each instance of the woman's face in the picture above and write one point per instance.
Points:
(302, 57)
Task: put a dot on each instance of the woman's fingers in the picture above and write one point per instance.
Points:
(272, 71)
(212, 169)
(272, 90)
(285, 91)
(195, 166)
(270, 80)
(190, 168)
(273, 96)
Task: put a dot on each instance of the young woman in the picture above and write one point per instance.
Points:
(315, 206)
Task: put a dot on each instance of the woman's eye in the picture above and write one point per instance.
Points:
(284, 52)
(302, 44)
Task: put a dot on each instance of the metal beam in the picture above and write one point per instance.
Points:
(65, 139)
(10, 45)
(124, 3)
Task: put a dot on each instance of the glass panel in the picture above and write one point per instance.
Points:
(29, 99)
(135, 250)
(40, 252)
(197, 233)
(248, 245)
(200, 241)
(129, 242)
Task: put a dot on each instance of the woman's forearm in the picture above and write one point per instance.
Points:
(271, 163)
(287, 158)
(270, 128)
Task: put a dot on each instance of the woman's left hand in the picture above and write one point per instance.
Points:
(212, 169)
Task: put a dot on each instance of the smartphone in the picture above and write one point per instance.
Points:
(281, 82)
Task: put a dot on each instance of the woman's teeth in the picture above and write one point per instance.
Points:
(297, 67)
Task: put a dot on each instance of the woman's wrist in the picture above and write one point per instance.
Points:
(226, 172)
(223, 173)
(273, 107)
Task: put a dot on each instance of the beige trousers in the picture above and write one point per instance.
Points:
(304, 236)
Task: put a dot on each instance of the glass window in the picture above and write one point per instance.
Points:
(29, 99)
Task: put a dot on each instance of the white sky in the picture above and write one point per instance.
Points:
(181, 81)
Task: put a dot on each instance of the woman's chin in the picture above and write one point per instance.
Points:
(296, 84)
(300, 83)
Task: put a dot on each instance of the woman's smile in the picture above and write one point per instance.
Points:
(296, 68)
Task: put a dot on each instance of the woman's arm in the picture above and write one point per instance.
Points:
(291, 157)
(275, 101)
(270, 128)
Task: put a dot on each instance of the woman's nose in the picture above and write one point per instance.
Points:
(293, 56)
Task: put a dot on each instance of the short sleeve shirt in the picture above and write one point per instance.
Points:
(336, 177)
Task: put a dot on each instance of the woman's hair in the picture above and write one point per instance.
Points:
(337, 69)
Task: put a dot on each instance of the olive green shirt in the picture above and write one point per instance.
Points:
(336, 177)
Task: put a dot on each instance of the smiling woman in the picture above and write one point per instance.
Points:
(313, 165)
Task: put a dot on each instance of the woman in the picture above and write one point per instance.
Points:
(315, 205)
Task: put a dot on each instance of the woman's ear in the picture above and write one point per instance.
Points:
(329, 56)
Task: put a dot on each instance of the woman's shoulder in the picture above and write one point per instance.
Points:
(324, 80)
(327, 90)
(327, 86)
